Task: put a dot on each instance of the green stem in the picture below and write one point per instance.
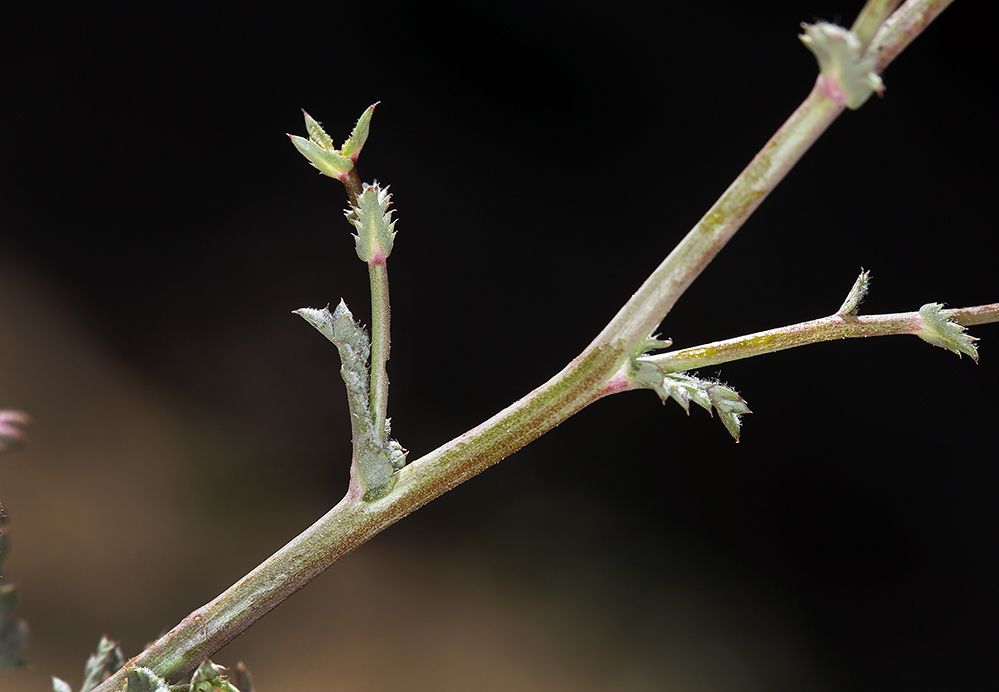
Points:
(814, 331)
(351, 523)
(656, 297)
(380, 341)
(901, 28)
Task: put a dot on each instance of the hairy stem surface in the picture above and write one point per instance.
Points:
(352, 522)
(811, 332)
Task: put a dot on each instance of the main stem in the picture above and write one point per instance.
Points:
(351, 523)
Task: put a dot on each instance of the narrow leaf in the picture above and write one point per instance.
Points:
(102, 664)
(856, 295)
(354, 347)
(317, 134)
(352, 147)
(326, 162)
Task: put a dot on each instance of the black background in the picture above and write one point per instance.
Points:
(543, 157)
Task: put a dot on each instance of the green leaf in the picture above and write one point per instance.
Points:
(321, 152)
(730, 407)
(102, 664)
(352, 147)
(327, 162)
(241, 678)
(856, 295)
(373, 221)
(210, 678)
(355, 349)
(938, 329)
(684, 388)
(376, 456)
(60, 685)
(317, 134)
(145, 680)
(849, 77)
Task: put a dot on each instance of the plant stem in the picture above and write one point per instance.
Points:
(814, 331)
(902, 27)
(583, 381)
(641, 315)
(352, 184)
(380, 341)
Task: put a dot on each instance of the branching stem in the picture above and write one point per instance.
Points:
(583, 381)
(814, 331)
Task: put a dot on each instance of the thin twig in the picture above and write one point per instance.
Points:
(811, 332)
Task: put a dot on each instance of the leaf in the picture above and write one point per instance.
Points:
(241, 678)
(849, 76)
(938, 329)
(359, 135)
(210, 677)
(355, 350)
(373, 221)
(327, 162)
(317, 134)
(145, 680)
(376, 456)
(102, 664)
(60, 685)
(856, 295)
(683, 389)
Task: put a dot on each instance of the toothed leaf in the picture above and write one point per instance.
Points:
(317, 134)
(326, 162)
(376, 456)
(145, 680)
(856, 295)
(210, 678)
(102, 664)
(838, 52)
(352, 147)
(373, 221)
(684, 388)
(354, 347)
(939, 330)
(730, 407)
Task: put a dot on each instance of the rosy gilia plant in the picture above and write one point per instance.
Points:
(386, 486)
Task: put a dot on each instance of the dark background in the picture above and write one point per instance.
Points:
(157, 228)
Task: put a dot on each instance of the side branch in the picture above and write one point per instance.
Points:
(814, 331)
